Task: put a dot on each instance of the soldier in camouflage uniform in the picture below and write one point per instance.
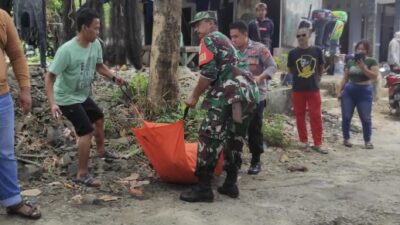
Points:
(230, 101)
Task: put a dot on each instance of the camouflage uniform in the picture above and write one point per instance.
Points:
(231, 84)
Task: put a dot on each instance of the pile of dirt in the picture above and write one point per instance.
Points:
(46, 149)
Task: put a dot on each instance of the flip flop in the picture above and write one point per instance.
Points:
(87, 180)
(109, 155)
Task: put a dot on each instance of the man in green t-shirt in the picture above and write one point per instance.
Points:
(68, 84)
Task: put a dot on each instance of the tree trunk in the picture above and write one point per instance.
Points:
(117, 49)
(163, 85)
(134, 33)
(98, 7)
(69, 20)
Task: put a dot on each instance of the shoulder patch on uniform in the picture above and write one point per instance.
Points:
(205, 55)
(265, 52)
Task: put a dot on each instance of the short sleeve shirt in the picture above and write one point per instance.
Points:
(304, 64)
(355, 73)
(258, 58)
(75, 68)
(220, 62)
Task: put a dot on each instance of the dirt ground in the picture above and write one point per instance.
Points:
(348, 186)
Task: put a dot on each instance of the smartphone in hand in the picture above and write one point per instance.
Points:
(359, 56)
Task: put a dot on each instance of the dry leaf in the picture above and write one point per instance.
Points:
(136, 192)
(133, 176)
(135, 183)
(108, 198)
(31, 193)
(56, 183)
(284, 158)
(297, 168)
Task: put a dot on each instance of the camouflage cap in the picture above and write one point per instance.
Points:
(204, 15)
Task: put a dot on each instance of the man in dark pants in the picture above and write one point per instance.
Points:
(230, 102)
(262, 28)
(262, 66)
(68, 84)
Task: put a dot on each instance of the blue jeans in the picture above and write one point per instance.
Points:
(359, 96)
(9, 189)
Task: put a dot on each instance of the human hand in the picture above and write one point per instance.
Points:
(361, 65)
(258, 79)
(25, 100)
(191, 101)
(118, 80)
(55, 111)
(339, 96)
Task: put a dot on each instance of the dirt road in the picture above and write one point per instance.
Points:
(349, 186)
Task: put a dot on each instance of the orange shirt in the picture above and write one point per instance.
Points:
(11, 45)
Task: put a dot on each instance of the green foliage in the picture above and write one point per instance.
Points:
(108, 126)
(191, 123)
(138, 86)
(137, 90)
(274, 131)
(281, 62)
(54, 5)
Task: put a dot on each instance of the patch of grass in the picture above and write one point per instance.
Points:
(274, 131)
(281, 62)
(137, 90)
(192, 121)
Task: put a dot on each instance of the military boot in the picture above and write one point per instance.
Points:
(202, 192)
(230, 187)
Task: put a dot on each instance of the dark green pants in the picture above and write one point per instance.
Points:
(218, 132)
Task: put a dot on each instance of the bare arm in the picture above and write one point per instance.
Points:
(371, 73)
(106, 72)
(343, 82)
(49, 80)
(103, 70)
(320, 70)
(269, 65)
(200, 88)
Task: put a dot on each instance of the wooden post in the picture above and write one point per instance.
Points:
(164, 59)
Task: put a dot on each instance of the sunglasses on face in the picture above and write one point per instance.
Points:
(301, 35)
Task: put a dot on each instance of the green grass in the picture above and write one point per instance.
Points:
(274, 131)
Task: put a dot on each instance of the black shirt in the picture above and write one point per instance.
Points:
(261, 31)
(304, 64)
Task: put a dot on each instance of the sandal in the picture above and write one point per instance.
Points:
(87, 180)
(347, 143)
(369, 145)
(33, 212)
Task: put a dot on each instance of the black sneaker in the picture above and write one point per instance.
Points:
(254, 169)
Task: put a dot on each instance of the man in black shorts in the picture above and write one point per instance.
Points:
(68, 84)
